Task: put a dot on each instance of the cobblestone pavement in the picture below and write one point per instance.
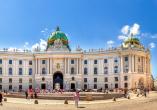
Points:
(141, 103)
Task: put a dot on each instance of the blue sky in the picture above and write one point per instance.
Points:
(88, 23)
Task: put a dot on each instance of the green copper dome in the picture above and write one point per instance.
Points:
(57, 35)
(132, 41)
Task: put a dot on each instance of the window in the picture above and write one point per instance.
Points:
(105, 70)
(95, 70)
(72, 61)
(116, 78)
(0, 61)
(30, 62)
(85, 86)
(116, 69)
(10, 87)
(116, 85)
(85, 62)
(20, 80)
(10, 71)
(106, 79)
(72, 70)
(85, 80)
(115, 60)
(30, 71)
(95, 61)
(105, 60)
(30, 86)
(0, 70)
(0, 87)
(20, 71)
(20, 87)
(95, 86)
(126, 85)
(43, 71)
(125, 78)
(85, 71)
(139, 59)
(106, 86)
(0, 80)
(30, 80)
(10, 62)
(20, 62)
(10, 80)
(126, 58)
(73, 78)
(43, 61)
(95, 80)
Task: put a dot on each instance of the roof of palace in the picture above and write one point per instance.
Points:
(57, 34)
(133, 42)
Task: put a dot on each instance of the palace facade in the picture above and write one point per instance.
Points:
(127, 66)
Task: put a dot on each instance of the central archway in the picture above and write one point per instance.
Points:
(58, 79)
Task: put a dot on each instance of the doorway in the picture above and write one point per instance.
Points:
(58, 80)
(73, 86)
(43, 86)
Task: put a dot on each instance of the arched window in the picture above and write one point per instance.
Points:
(85, 71)
(72, 70)
(0, 70)
(95, 70)
(116, 69)
(10, 71)
(30, 71)
(43, 71)
(105, 70)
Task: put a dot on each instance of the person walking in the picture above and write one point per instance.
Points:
(145, 92)
(1, 97)
(26, 94)
(76, 98)
(35, 95)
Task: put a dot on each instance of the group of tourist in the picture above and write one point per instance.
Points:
(30, 93)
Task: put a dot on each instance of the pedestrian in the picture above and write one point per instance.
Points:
(145, 92)
(35, 95)
(76, 98)
(1, 97)
(26, 94)
(138, 92)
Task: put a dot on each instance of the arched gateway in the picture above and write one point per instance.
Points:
(58, 80)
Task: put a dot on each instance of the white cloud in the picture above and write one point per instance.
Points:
(125, 29)
(122, 37)
(135, 29)
(44, 30)
(152, 45)
(41, 45)
(110, 43)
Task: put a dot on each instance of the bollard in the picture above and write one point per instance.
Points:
(66, 101)
(128, 97)
(36, 102)
(114, 99)
(5, 99)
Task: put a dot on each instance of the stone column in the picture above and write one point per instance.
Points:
(121, 64)
(77, 66)
(130, 64)
(36, 67)
(68, 66)
(65, 66)
(39, 61)
(48, 64)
